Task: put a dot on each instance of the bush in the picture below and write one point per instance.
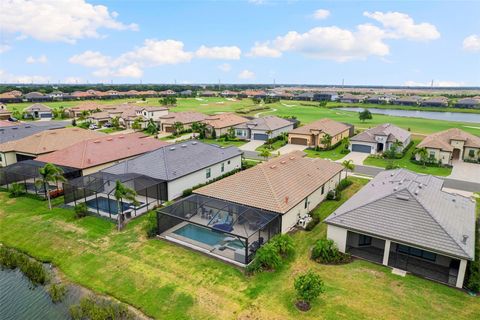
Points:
(151, 225)
(81, 210)
(344, 151)
(268, 257)
(473, 270)
(284, 245)
(334, 195)
(16, 190)
(325, 251)
(344, 184)
(308, 286)
(187, 192)
(57, 292)
(391, 165)
(93, 307)
(315, 220)
(33, 270)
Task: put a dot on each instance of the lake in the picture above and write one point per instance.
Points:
(446, 116)
(19, 299)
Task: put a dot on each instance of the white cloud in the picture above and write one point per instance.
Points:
(131, 71)
(58, 20)
(6, 77)
(321, 14)
(41, 59)
(4, 48)
(246, 74)
(401, 26)
(91, 59)
(439, 83)
(225, 67)
(73, 80)
(262, 49)
(223, 53)
(472, 43)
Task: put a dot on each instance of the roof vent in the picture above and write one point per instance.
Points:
(121, 137)
(96, 141)
(283, 162)
(172, 148)
(28, 126)
(286, 199)
(464, 239)
(400, 197)
(15, 128)
(184, 145)
(292, 158)
(273, 166)
(109, 139)
(416, 192)
(194, 142)
(454, 200)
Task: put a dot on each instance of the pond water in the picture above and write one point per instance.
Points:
(447, 116)
(19, 299)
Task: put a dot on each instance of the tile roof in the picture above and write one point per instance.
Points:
(49, 140)
(22, 130)
(276, 185)
(441, 140)
(266, 123)
(411, 208)
(325, 125)
(102, 150)
(176, 160)
(185, 117)
(4, 123)
(224, 120)
(37, 107)
(392, 132)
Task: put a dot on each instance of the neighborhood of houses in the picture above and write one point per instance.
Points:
(206, 200)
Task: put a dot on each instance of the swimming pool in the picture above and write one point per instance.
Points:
(106, 205)
(207, 236)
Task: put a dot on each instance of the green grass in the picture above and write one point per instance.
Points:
(272, 147)
(333, 154)
(167, 281)
(407, 164)
(223, 143)
(110, 130)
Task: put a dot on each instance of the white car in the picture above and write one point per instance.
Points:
(93, 127)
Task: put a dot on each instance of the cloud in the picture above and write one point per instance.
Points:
(6, 77)
(321, 14)
(472, 43)
(223, 53)
(131, 64)
(41, 59)
(73, 80)
(58, 20)
(4, 48)
(439, 83)
(401, 26)
(246, 74)
(264, 50)
(225, 67)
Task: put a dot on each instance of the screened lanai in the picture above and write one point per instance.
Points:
(26, 173)
(230, 231)
(97, 191)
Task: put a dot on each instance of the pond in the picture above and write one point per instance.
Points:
(446, 116)
(19, 299)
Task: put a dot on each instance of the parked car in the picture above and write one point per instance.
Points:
(107, 125)
(12, 119)
(93, 127)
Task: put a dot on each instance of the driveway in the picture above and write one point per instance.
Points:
(251, 145)
(356, 157)
(289, 148)
(465, 171)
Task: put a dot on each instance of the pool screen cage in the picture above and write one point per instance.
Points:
(232, 231)
(27, 173)
(97, 191)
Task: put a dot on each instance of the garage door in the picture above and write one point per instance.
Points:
(260, 136)
(300, 141)
(361, 148)
(168, 129)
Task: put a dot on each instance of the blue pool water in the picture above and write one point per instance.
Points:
(206, 236)
(103, 204)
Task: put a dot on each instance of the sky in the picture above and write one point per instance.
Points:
(251, 41)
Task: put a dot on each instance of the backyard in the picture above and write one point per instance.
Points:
(170, 282)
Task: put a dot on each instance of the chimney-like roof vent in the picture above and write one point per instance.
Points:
(172, 148)
(109, 139)
(273, 166)
(401, 197)
(184, 145)
(96, 141)
(194, 142)
(283, 162)
(464, 239)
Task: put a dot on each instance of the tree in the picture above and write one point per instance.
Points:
(348, 165)
(168, 101)
(74, 122)
(83, 115)
(152, 127)
(137, 124)
(322, 104)
(177, 128)
(49, 173)
(115, 121)
(365, 115)
(265, 154)
(423, 154)
(326, 141)
(231, 133)
(123, 192)
(195, 128)
(308, 286)
(16, 189)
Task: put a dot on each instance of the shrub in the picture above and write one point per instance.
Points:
(308, 286)
(268, 257)
(344, 151)
(81, 210)
(391, 165)
(344, 184)
(334, 195)
(315, 220)
(151, 225)
(284, 245)
(93, 307)
(33, 270)
(57, 292)
(187, 192)
(16, 189)
(325, 251)
(473, 270)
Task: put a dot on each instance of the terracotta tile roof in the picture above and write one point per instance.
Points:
(323, 125)
(276, 185)
(183, 117)
(224, 120)
(102, 150)
(49, 140)
(441, 140)
(87, 106)
(7, 95)
(6, 123)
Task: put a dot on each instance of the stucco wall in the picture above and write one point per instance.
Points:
(339, 236)
(466, 154)
(8, 158)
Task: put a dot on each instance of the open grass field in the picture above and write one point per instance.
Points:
(169, 282)
(305, 111)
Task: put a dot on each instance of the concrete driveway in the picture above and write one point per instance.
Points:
(251, 145)
(465, 171)
(356, 157)
(289, 148)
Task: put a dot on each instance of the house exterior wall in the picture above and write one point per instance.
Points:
(177, 186)
(439, 155)
(352, 241)
(242, 133)
(7, 158)
(458, 145)
(339, 236)
(335, 139)
(290, 218)
(466, 154)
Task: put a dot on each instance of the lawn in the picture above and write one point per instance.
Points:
(224, 143)
(333, 154)
(167, 281)
(110, 130)
(407, 164)
(272, 147)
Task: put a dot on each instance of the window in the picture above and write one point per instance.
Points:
(414, 252)
(323, 189)
(228, 162)
(306, 203)
(432, 154)
(1, 158)
(471, 153)
(364, 240)
(209, 173)
(223, 167)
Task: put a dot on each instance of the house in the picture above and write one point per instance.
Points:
(378, 139)
(222, 122)
(185, 118)
(38, 111)
(186, 93)
(167, 93)
(405, 221)
(207, 94)
(352, 98)
(99, 118)
(154, 113)
(257, 94)
(468, 103)
(407, 101)
(381, 99)
(243, 211)
(80, 95)
(85, 107)
(10, 97)
(56, 95)
(229, 94)
(263, 128)
(4, 113)
(42, 142)
(36, 97)
(311, 134)
(435, 102)
(452, 144)
(95, 154)
(21, 130)
(325, 96)
(305, 96)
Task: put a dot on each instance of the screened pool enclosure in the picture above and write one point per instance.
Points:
(227, 230)
(97, 191)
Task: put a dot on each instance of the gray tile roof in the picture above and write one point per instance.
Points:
(387, 129)
(23, 130)
(412, 209)
(266, 123)
(176, 160)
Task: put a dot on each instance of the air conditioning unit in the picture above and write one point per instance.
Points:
(302, 222)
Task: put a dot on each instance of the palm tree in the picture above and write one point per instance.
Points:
(137, 125)
(423, 154)
(348, 165)
(123, 192)
(49, 173)
(177, 128)
(195, 128)
(265, 153)
(115, 121)
(326, 141)
(152, 127)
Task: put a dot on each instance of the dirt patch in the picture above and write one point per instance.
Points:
(303, 306)
(70, 227)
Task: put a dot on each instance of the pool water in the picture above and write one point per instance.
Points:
(207, 236)
(103, 205)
